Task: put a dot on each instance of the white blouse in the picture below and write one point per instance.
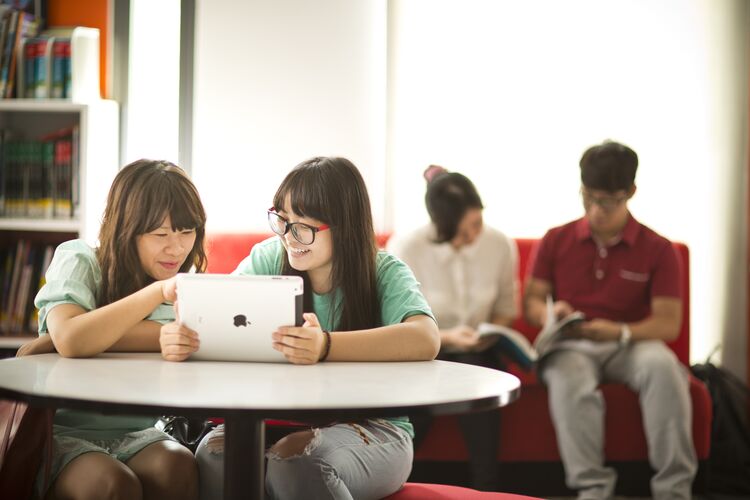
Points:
(467, 286)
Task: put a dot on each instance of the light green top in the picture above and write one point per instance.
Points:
(398, 292)
(74, 277)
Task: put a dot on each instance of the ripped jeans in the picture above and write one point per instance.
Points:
(365, 460)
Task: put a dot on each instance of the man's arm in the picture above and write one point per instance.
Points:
(662, 324)
(535, 302)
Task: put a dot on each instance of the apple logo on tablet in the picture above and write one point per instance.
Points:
(241, 320)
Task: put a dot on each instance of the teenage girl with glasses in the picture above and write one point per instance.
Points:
(363, 305)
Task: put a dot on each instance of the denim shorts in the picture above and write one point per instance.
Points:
(69, 443)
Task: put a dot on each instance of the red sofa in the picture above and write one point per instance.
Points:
(526, 434)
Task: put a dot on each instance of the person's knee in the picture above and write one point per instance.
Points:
(298, 476)
(568, 375)
(96, 476)
(166, 470)
(118, 483)
(295, 468)
(293, 444)
(657, 366)
(176, 472)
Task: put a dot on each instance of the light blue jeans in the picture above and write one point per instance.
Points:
(649, 368)
(364, 460)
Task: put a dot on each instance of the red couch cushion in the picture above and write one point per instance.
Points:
(226, 250)
(421, 491)
(527, 434)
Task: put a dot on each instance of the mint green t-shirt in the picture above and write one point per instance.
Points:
(398, 292)
(75, 277)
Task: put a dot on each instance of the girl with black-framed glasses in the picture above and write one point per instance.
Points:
(362, 304)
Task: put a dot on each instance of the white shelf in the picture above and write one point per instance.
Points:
(42, 105)
(51, 225)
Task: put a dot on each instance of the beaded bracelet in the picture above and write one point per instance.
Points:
(328, 346)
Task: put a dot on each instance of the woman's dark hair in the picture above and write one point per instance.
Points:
(332, 191)
(449, 195)
(142, 195)
(609, 166)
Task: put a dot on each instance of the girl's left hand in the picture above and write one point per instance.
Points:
(301, 345)
(177, 342)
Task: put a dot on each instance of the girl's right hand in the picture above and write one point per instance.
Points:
(40, 345)
(169, 289)
(177, 342)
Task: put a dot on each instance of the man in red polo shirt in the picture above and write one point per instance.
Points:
(624, 277)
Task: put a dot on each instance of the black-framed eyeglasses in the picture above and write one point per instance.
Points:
(304, 233)
(606, 203)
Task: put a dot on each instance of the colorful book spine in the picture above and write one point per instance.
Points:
(41, 65)
(23, 266)
(63, 174)
(27, 27)
(68, 70)
(58, 67)
(48, 178)
(26, 83)
(8, 51)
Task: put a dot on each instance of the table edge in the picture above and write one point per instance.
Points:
(109, 407)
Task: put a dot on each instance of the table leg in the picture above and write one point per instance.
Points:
(244, 455)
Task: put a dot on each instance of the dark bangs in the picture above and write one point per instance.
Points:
(173, 195)
(305, 187)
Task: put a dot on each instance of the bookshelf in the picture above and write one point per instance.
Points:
(97, 125)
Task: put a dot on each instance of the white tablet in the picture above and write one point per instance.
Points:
(236, 315)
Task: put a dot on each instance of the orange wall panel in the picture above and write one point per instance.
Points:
(89, 13)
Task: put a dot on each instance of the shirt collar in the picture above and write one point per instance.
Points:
(629, 233)
(445, 251)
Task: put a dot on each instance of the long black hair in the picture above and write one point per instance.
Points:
(332, 190)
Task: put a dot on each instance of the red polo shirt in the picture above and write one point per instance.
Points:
(614, 282)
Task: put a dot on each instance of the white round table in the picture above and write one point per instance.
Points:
(247, 393)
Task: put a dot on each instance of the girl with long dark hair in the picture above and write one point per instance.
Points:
(362, 305)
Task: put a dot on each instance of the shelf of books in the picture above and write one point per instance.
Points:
(57, 161)
(40, 61)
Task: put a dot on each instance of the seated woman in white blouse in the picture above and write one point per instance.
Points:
(468, 273)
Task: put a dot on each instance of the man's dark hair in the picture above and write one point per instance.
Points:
(449, 195)
(609, 166)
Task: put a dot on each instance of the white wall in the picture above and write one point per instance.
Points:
(152, 117)
(277, 82)
(511, 93)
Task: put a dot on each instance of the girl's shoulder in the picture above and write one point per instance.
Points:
(75, 255)
(77, 246)
(388, 265)
(265, 258)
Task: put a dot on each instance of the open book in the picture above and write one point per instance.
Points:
(518, 348)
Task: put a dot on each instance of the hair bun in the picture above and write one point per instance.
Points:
(433, 171)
